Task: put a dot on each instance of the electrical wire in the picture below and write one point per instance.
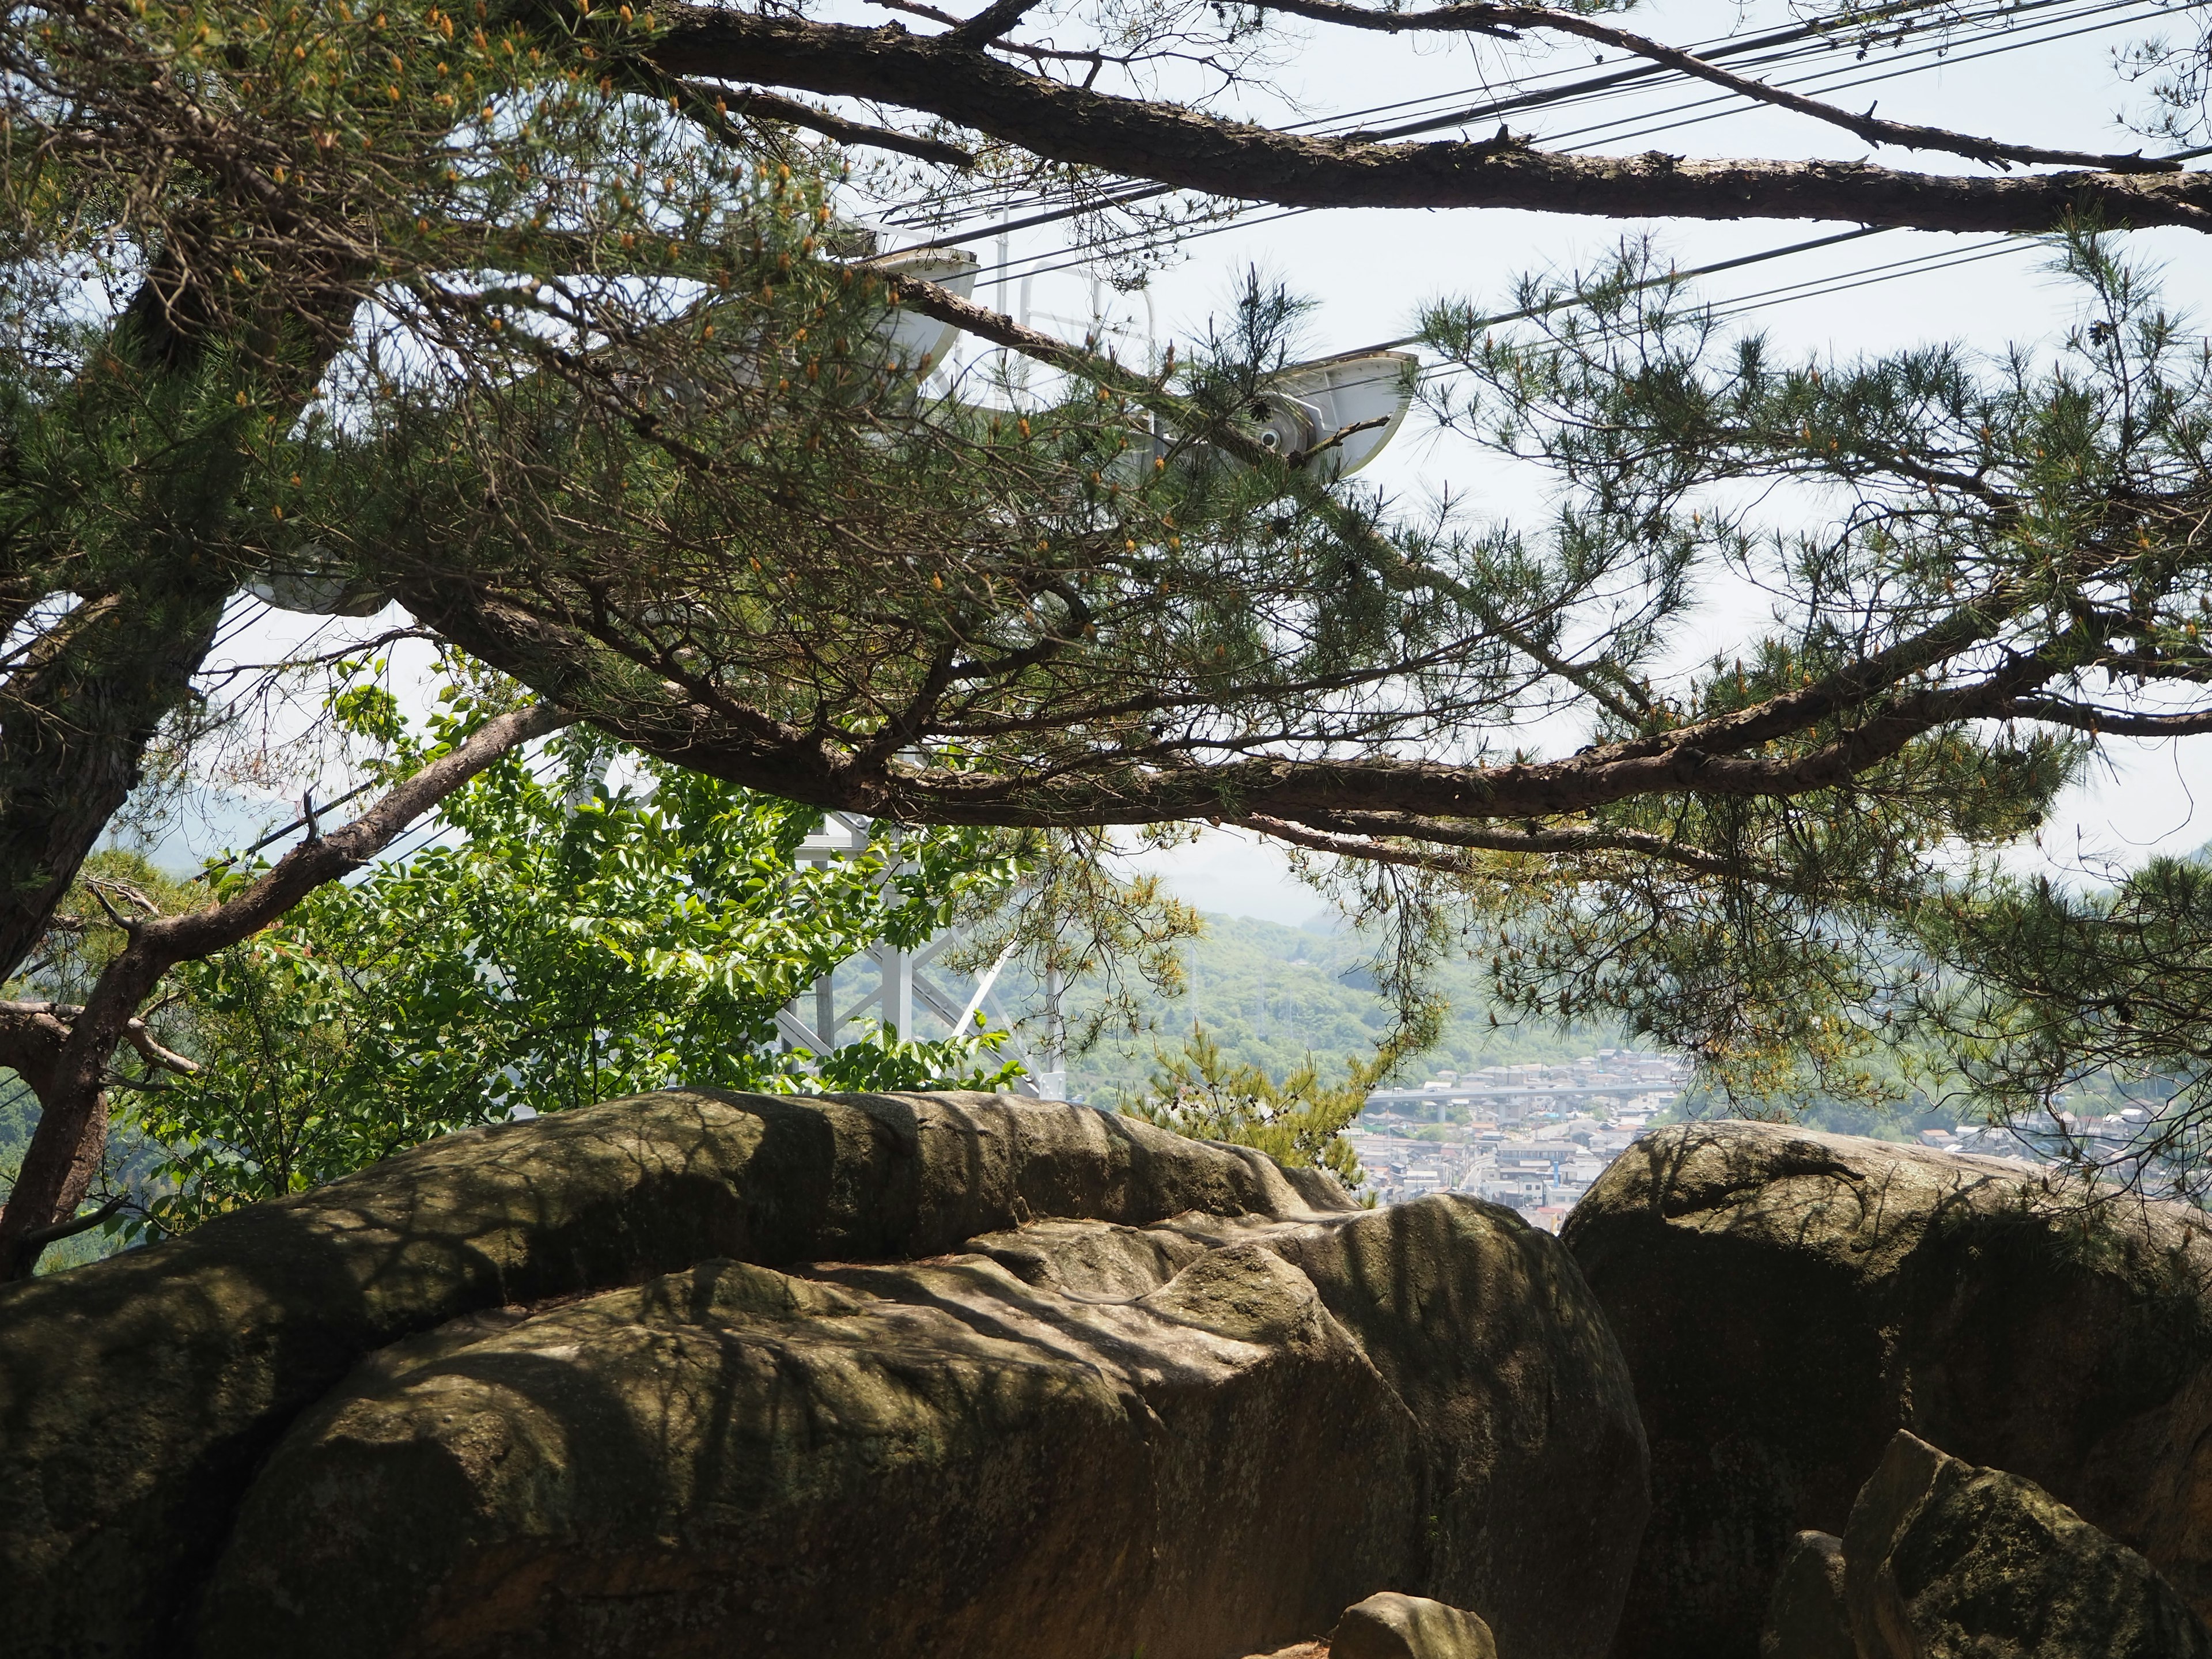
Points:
(1823, 47)
(275, 835)
(1811, 84)
(1634, 74)
(312, 635)
(1841, 282)
(1140, 241)
(1765, 299)
(1760, 299)
(1633, 79)
(1640, 77)
(250, 610)
(544, 767)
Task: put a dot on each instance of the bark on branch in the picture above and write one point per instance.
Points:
(769, 106)
(993, 21)
(83, 1223)
(2116, 723)
(1180, 148)
(1451, 844)
(1141, 786)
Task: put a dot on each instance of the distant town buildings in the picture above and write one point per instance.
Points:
(1531, 1137)
(2141, 1146)
(1534, 1137)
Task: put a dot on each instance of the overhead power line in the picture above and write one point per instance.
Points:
(1817, 84)
(1589, 89)
(1812, 39)
(1634, 75)
(1807, 41)
(1139, 241)
(249, 612)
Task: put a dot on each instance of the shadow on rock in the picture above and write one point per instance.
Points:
(1788, 1300)
(881, 1375)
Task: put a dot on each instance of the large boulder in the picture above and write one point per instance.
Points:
(896, 1374)
(1788, 1300)
(902, 1461)
(138, 1395)
(1191, 1440)
(1534, 1452)
(1943, 1560)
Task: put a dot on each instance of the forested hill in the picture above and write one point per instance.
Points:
(1270, 994)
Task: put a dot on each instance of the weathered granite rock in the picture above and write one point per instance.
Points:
(1533, 1452)
(1388, 1626)
(137, 1396)
(1806, 1619)
(905, 1461)
(1199, 1438)
(1787, 1300)
(1533, 1455)
(1943, 1561)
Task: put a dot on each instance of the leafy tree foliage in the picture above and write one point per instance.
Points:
(569, 943)
(1299, 1120)
(2046, 996)
(113, 887)
(541, 318)
(277, 276)
(2011, 546)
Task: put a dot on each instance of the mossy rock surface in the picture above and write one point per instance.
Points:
(138, 1395)
(906, 1462)
(1944, 1560)
(872, 1376)
(1788, 1300)
(1203, 1437)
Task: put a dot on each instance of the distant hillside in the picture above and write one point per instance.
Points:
(1270, 994)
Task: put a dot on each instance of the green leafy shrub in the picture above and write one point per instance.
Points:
(569, 943)
(1299, 1120)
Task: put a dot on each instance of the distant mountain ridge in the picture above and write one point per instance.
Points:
(1270, 994)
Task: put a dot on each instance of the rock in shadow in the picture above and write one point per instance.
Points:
(138, 1395)
(1943, 1561)
(1197, 1439)
(1788, 1300)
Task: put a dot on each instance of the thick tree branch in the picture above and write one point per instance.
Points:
(151, 1050)
(75, 722)
(1237, 160)
(32, 1035)
(159, 944)
(58, 1230)
(993, 21)
(1369, 846)
(570, 662)
(2119, 723)
(1969, 623)
(1156, 786)
(31, 1038)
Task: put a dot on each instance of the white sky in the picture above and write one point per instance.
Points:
(1370, 269)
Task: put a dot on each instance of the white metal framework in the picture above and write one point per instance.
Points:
(914, 989)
